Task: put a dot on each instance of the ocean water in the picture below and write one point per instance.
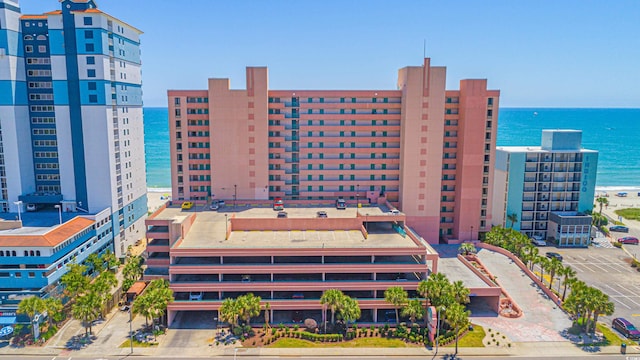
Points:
(615, 133)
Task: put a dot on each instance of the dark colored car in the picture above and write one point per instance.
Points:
(282, 214)
(322, 214)
(619, 228)
(625, 328)
(554, 255)
(628, 240)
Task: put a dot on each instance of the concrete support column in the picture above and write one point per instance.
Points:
(323, 259)
(323, 279)
(272, 260)
(375, 276)
(375, 315)
(373, 259)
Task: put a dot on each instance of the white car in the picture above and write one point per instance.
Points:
(538, 242)
(195, 296)
(32, 207)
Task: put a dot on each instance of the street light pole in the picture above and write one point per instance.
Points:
(471, 234)
(235, 352)
(366, 223)
(19, 203)
(358, 196)
(235, 195)
(130, 331)
(438, 327)
(59, 207)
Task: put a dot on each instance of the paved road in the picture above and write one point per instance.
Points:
(542, 319)
(411, 357)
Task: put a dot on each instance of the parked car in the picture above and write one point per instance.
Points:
(246, 278)
(214, 206)
(195, 296)
(322, 214)
(32, 207)
(626, 328)
(628, 240)
(298, 296)
(553, 255)
(619, 228)
(282, 214)
(341, 204)
(538, 242)
(186, 205)
(394, 212)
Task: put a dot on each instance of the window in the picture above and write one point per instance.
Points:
(490, 101)
(32, 274)
(42, 48)
(91, 60)
(28, 48)
(91, 73)
(93, 98)
(89, 47)
(92, 85)
(88, 20)
(88, 34)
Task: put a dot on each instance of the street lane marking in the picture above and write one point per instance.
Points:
(637, 304)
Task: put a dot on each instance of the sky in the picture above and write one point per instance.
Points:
(543, 53)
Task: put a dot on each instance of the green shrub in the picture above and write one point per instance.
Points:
(296, 327)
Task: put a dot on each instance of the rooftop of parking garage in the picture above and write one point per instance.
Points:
(455, 270)
(208, 230)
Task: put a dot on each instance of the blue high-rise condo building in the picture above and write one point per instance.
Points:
(549, 188)
(71, 126)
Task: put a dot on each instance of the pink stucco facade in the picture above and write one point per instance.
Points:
(427, 150)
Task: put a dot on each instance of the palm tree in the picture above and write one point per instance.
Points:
(396, 296)
(333, 298)
(54, 308)
(86, 309)
(31, 306)
(142, 306)
(603, 307)
(530, 255)
(95, 261)
(132, 271)
(414, 310)
(350, 310)
(230, 312)
(513, 218)
(458, 318)
(160, 295)
(249, 307)
(267, 311)
(459, 292)
(437, 287)
(74, 280)
(110, 258)
(554, 266)
(568, 275)
(543, 262)
(467, 248)
(601, 201)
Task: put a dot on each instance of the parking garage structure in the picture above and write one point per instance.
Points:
(289, 262)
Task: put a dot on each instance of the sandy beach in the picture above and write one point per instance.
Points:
(156, 199)
(632, 200)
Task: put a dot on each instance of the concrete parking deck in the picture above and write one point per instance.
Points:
(455, 270)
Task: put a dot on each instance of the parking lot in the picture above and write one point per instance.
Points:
(610, 271)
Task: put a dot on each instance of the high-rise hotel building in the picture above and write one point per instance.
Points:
(71, 115)
(427, 150)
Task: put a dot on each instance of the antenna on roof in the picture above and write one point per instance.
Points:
(424, 48)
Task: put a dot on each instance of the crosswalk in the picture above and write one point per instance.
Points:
(602, 242)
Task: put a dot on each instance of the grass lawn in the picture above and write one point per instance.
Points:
(611, 337)
(471, 338)
(360, 342)
(137, 343)
(631, 214)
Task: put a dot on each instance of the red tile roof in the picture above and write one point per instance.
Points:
(51, 238)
